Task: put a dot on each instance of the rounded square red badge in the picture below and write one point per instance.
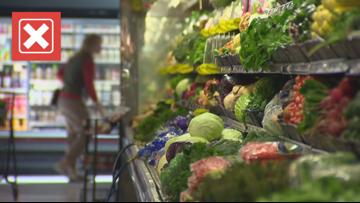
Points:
(36, 36)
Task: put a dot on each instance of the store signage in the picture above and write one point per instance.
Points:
(36, 36)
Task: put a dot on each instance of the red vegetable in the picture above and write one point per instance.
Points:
(333, 121)
(346, 87)
(260, 151)
(336, 94)
(190, 92)
(293, 113)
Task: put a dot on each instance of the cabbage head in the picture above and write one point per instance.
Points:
(186, 138)
(182, 86)
(231, 134)
(241, 105)
(206, 125)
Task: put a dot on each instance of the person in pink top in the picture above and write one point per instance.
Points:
(78, 84)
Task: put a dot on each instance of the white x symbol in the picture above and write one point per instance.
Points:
(36, 36)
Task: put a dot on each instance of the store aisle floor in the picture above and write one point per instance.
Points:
(49, 192)
(43, 193)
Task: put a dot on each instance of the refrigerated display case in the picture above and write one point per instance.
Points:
(37, 79)
(274, 95)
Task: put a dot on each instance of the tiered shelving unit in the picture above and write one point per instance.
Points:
(39, 77)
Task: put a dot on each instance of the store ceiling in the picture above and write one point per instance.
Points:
(69, 8)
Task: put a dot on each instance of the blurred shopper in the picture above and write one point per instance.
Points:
(78, 84)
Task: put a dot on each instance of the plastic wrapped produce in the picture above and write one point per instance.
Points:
(270, 121)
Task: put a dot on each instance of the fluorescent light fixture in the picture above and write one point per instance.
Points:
(28, 180)
(38, 180)
(103, 179)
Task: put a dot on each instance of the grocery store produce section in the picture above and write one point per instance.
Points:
(262, 104)
(37, 80)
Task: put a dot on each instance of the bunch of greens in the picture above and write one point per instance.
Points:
(300, 22)
(264, 91)
(163, 113)
(244, 183)
(352, 114)
(318, 166)
(191, 48)
(174, 81)
(263, 37)
(259, 137)
(193, 23)
(323, 178)
(174, 178)
(329, 189)
(314, 92)
(227, 147)
(344, 25)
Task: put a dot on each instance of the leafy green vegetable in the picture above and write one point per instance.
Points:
(314, 92)
(231, 134)
(199, 151)
(328, 189)
(174, 81)
(311, 166)
(206, 125)
(353, 109)
(244, 183)
(352, 114)
(163, 113)
(227, 148)
(259, 137)
(270, 121)
(186, 138)
(322, 178)
(300, 21)
(344, 25)
(264, 90)
(241, 106)
(182, 86)
(174, 178)
(263, 37)
(191, 48)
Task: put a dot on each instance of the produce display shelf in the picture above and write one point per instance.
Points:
(334, 66)
(251, 128)
(145, 179)
(242, 127)
(304, 146)
(354, 68)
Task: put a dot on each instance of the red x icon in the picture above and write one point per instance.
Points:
(36, 36)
